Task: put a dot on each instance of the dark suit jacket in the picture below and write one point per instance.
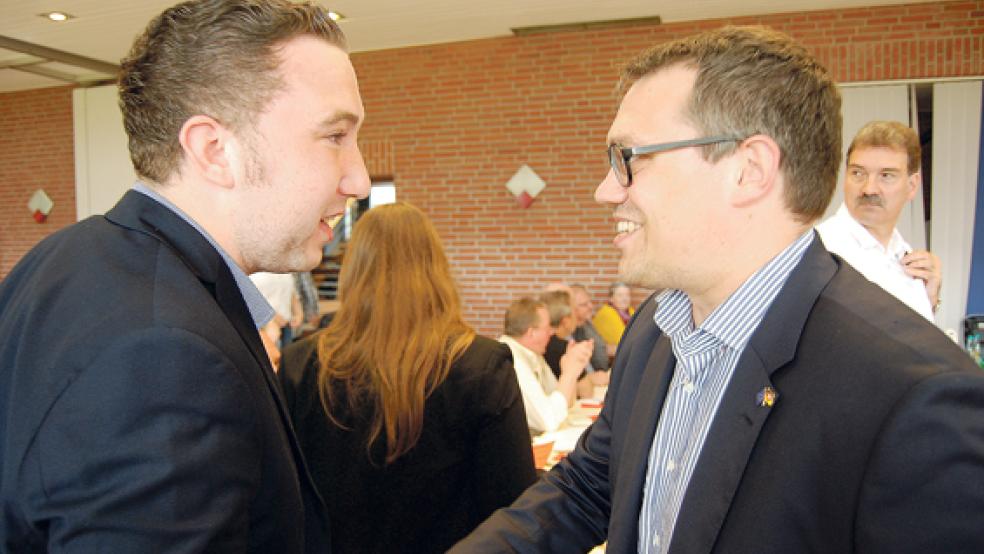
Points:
(138, 410)
(875, 444)
(473, 455)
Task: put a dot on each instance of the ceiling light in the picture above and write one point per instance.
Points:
(335, 16)
(57, 16)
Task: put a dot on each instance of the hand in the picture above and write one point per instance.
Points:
(576, 358)
(599, 378)
(270, 335)
(296, 320)
(923, 264)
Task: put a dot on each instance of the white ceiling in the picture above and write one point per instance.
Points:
(104, 29)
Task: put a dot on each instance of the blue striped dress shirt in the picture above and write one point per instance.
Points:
(705, 360)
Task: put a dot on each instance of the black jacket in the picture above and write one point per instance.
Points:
(473, 456)
(138, 410)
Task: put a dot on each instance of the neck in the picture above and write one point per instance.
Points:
(741, 265)
(198, 202)
(881, 234)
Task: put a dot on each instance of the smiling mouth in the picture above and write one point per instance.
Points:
(332, 220)
(624, 227)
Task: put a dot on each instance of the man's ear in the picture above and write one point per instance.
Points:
(758, 170)
(915, 182)
(210, 150)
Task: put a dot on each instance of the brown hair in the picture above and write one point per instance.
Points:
(521, 315)
(890, 134)
(211, 57)
(753, 80)
(398, 328)
(558, 304)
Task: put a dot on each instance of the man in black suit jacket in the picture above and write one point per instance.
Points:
(830, 417)
(138, 409)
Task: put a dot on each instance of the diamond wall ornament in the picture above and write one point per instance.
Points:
(40, 205)
(525, 185)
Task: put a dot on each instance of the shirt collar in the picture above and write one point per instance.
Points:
(518, 346)
(259, 309)
(733, 322)
(897, 246)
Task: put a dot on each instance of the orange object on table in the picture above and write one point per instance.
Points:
(541, 452)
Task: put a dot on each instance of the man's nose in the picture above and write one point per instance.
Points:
(609, 190)
(355, 181)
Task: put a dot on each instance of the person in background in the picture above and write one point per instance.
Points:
(560, 309)
(279, 291)
(881, 177)
(546, 398)
(585, 330)
(413, 425)
(140, 412)
(769, 399)
(614, 315)
(307, 291)
(270, 336)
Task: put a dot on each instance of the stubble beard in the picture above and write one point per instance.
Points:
(265, 243)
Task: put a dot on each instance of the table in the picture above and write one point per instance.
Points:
(581, 415)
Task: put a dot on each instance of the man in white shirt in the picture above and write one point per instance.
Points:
(560, 309)
(882, 175)
(545, 397)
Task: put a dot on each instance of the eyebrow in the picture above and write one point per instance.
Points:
(338, 117)
(621, 140)
(877, 169)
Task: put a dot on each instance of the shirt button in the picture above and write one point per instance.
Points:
(656, 540)
(671, 466)
(688, 387)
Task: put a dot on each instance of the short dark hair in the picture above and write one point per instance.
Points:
(890, 134)
(212, 57)
(754, 80)
(521, 315)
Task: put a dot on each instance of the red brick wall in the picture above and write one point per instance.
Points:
(461, 118)
(37, 150)
(451, 123)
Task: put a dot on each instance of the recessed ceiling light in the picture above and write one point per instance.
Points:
(335, 16)
(57, 16)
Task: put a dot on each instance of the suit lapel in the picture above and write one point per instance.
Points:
(144, 214)
(634, 457)
(741, 417)
(722, 461)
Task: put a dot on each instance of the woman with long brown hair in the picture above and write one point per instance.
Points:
(412, 425)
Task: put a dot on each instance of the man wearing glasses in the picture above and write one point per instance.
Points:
(769, 398)
(882, 176)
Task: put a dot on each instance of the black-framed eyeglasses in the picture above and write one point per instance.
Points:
(620, 156)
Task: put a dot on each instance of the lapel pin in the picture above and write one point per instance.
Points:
(767, 397)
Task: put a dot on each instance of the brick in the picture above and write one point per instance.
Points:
(450, 123)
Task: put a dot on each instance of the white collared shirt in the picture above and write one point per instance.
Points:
(546, 406)
(847, 238)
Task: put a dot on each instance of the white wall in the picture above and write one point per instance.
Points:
(103, 171)
(956, 148)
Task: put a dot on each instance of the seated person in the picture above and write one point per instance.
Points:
(545, 397)
(561, 310)
(583, 309)
(411, 423)
(611, 319)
